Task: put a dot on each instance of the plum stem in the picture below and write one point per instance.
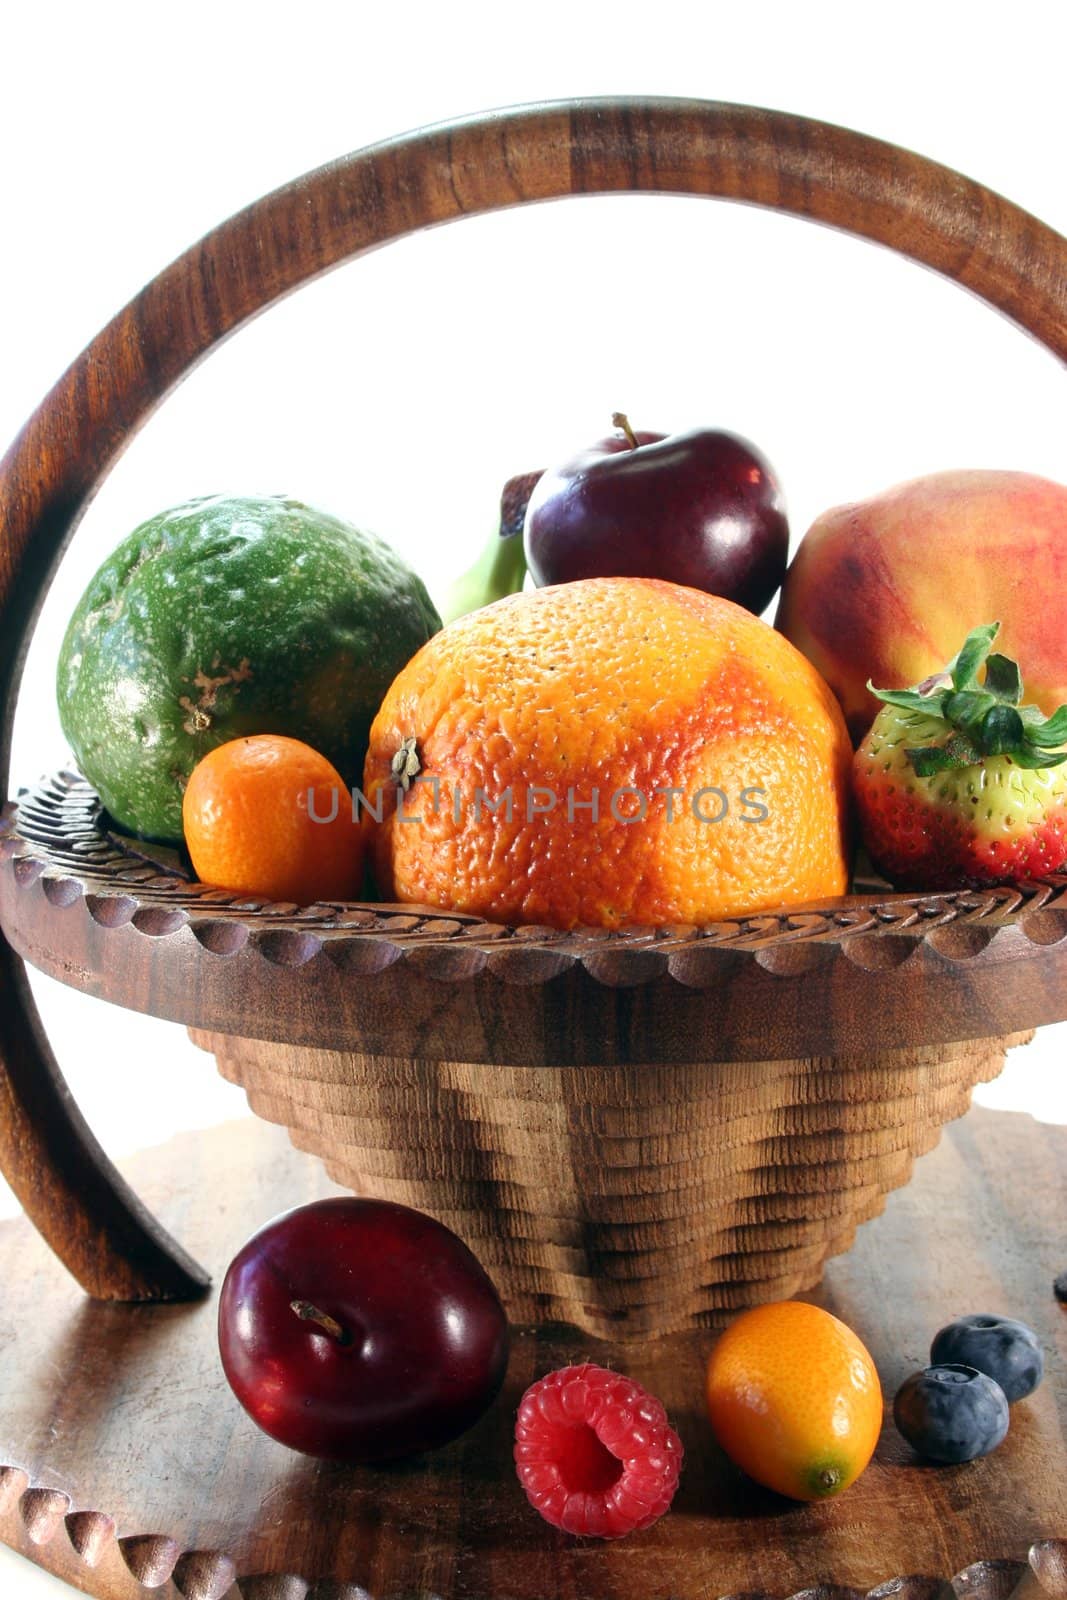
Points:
(619, 419)
(309, 1313)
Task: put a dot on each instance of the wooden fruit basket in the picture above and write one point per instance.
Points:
(637, 1131)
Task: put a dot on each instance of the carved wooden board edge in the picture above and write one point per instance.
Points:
(53, 842)
(45, 1513)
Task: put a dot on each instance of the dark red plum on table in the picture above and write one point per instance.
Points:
(701, 508)
(360, 1330)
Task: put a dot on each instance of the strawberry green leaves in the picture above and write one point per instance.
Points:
(957, 751)
(929, 705)
(1003, 679)
(981, 718)
(1047, 732)
(1002, 731)
(976, 647)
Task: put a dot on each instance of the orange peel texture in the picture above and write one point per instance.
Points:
(668, 707)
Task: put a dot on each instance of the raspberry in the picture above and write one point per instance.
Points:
(595, 1452)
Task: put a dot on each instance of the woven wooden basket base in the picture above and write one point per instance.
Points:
(630, 1200)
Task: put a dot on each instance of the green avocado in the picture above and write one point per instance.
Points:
(225, 617)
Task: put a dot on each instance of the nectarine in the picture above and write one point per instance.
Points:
(885, 588)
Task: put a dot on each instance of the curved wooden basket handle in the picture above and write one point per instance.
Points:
(480, 164)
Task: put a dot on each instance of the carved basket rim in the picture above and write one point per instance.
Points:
(56, 836)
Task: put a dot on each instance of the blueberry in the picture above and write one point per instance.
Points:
(951, 1413)
(1006, 1351)
(1059, 1288)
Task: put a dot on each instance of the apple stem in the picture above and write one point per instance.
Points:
(619, 419)
(309, 1313)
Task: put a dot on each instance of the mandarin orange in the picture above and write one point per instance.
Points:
(794, 1399)
(609, 752)
(250, 825)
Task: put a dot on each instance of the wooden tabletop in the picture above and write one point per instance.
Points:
(127, 1463)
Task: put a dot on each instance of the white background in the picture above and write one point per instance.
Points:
(402, 390)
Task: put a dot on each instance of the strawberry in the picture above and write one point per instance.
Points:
(960, 785)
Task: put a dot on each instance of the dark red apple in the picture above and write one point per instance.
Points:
(701, 508)
(358, 1330)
